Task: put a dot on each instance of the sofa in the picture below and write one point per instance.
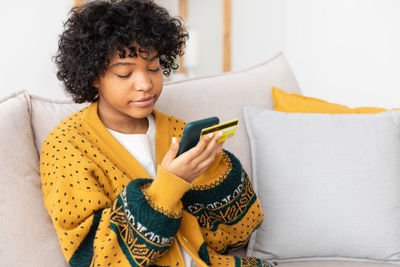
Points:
(27, 237)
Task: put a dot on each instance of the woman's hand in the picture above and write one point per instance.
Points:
(192, 163)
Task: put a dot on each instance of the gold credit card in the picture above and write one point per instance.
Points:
(228, 130)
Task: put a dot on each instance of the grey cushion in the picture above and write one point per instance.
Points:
(328, 184)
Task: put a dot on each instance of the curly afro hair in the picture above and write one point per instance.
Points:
(97, 30)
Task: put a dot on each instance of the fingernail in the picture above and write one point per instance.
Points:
(173, 140)
(210, 135)
(219, 134)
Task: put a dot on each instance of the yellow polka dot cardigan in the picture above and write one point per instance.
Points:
(107, 211)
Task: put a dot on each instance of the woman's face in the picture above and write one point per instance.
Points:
(128, 90)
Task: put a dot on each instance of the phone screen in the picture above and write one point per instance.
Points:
(192, 131)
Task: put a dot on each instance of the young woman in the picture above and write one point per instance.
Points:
(111, 182)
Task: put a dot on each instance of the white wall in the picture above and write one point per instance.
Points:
(258, 31)
(344, 51)
(204, 17)
(29, 32)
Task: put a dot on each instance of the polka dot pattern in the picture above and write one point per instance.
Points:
(79, 180)
(177, 126)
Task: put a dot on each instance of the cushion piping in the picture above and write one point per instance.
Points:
(280, 54)
(5, 98)
(49, 100)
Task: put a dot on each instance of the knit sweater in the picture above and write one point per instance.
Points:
(107, 211)
(143, 147)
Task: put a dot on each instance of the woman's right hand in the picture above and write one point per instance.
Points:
(192, 163)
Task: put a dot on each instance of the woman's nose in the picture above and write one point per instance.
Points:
(142, 82)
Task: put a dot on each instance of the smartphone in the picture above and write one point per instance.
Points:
(192, 131)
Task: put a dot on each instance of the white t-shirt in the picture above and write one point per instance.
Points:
(143, 148)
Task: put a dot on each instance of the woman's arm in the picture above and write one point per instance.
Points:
(224, 203)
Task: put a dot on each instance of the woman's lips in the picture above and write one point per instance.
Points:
(143, 103)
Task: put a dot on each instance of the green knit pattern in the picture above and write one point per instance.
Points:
(136, 224)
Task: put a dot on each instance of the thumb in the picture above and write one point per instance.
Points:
(173, 150)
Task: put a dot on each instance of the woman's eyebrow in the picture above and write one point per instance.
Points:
(131, 63)
(122, 63)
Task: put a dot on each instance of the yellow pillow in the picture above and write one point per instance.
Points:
(289, 102)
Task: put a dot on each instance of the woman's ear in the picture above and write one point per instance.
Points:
(95, 83)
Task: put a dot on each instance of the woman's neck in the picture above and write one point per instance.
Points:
(122, 123)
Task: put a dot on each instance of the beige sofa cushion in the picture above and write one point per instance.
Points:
(222, 95)
(225, 96)
(27, 237)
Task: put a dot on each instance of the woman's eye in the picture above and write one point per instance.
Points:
(124, 76)
(155, 70)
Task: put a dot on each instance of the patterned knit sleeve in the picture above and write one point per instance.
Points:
(225, 205)
(95, 229)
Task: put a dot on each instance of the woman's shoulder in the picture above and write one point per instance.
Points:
(66, 128)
